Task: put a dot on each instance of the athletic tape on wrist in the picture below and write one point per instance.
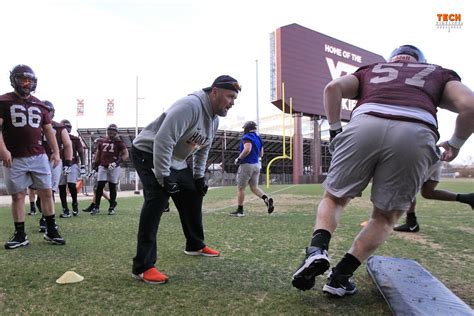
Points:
(456, 142)
(334, 126)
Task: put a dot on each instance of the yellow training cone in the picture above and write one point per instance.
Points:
(69, 277)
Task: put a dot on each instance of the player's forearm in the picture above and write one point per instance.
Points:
(332, 103)
(3, 147)
(51, 139)
(464, 124)
(67, 152)
(124, 155)
(81, 155)
(244, 153)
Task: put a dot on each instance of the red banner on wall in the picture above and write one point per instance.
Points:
(80, 107)
(110, 107)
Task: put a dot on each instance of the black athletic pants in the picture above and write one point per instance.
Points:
(187, 201)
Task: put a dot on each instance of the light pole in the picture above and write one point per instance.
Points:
(256, 86)
(136, 131)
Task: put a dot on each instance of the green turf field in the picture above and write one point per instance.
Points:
(253, 275)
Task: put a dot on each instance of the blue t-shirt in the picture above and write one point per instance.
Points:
(252, 157)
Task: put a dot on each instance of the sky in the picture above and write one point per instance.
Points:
(96, 50)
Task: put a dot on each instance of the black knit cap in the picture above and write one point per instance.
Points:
(225, 82)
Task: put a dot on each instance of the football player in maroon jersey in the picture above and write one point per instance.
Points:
(110, 152)
(65, 152)
(23, 119)
(92, 176)
(70, 178)
(391, 141)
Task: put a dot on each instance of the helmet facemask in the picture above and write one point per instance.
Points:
(112, 131)
(67, 125)
(17, 77)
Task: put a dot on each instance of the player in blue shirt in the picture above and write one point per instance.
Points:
(251, 151)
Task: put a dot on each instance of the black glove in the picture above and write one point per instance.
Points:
(333, 133)
(91, 173)
(170, 186)
(201, 186)
(95, 166)
(67, 167)
(83, 170)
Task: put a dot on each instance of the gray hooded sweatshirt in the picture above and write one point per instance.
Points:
(186, 128)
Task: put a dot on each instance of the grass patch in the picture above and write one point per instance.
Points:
(259, 254)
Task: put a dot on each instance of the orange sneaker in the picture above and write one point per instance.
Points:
(206, 252)
(151, 276)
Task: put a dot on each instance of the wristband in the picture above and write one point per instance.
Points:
(335, 125)
(68, 163)
(456, 142)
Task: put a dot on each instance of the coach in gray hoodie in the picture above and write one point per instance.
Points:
(159, 154)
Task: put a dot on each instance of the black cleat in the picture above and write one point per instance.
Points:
(17, 240)
(408, 228)
(237, 213)
(269, 204)
(95, 210)
(339, 285)
(75, 209)
(112, 208)
(315, 263)
(89, 208)
(65, 214)
(467, 198)
(53, 237)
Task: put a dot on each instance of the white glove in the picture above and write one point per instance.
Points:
(67, 170)
(112, 166)
(83, 170)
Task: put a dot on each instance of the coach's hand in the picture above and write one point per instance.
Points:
(170, 186)
(201, 186)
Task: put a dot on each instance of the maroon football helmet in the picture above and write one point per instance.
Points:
(112, 130)
(49, 105)
(67, 125)
(50, 108)
(408, 50)
(20, 73)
